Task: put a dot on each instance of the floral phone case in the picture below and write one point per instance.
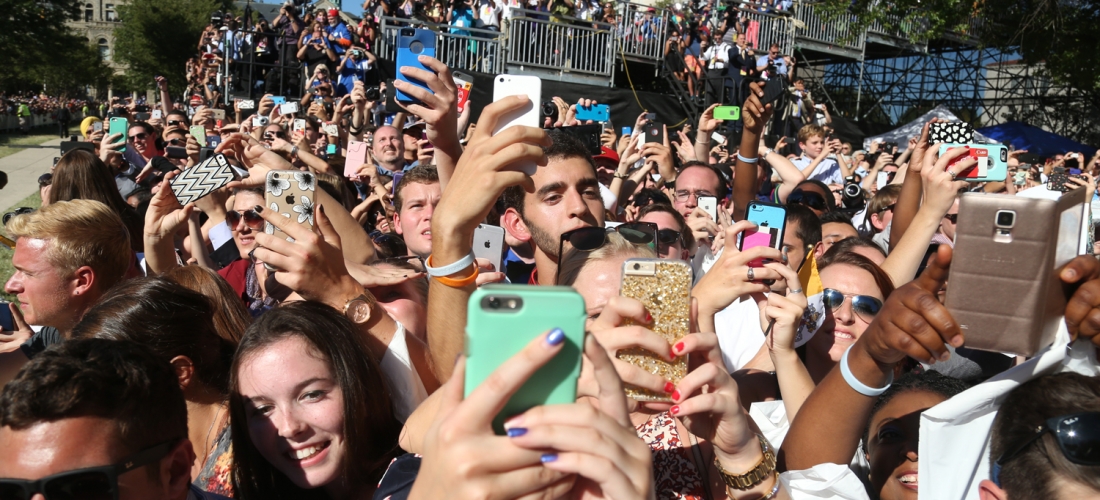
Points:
(664, 287)
(289, 193)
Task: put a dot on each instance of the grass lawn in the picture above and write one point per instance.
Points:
(6, 270)
(38, 136)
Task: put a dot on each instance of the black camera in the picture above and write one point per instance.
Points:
(551, 110)
(373, 93)
(853, 196)
(216, 19)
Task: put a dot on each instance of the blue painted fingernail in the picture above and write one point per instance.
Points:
(548, 457)
(555, 337)
(516, 432)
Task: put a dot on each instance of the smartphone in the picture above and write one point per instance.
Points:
(992, 162)
(627, 131)
(709, 204)
(67, 146)
(97, 127)
(771, 221)
(119, 125)
(528, 115)
(202, 179)
(597, 113)
(357, 156)
(330, 149)
(260, 121)
(7, 322)
(464, 84)
(246, 104)
(278, 99)
(1060, 176)
(502, 319)
(1012, 249)
(331, 129)
(288, 108)
(1071, 161)
(589, 135)
(950, 133)
(219, 114)
(290, 193)
(727, 113)
(158, 114)
(882, 179)
(176, 152)
(411, 44)
(773, 89)
(298, 125)
(489, 244)
(206, 153)
(199, 133)
(396, 180)
(654, 132)
(651, 117)
(142, 117)
(663, 286)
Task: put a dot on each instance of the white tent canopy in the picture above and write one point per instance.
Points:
(902, 134)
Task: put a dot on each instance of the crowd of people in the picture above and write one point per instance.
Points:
(226, 348)
(27, 105)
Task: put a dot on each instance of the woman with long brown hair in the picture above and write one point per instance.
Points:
(81, 175)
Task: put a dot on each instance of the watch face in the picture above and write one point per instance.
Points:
(359, 311)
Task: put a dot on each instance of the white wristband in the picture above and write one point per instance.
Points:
(855, 384)
(747, 160)
(450, 269)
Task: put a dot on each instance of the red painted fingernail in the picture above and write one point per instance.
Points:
(669, 387)
(679, 347)
(648, 318)
(672, 353)
(674, 410)
(676, 395)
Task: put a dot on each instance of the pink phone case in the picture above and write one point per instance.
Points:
(357, 156)
(754, 238)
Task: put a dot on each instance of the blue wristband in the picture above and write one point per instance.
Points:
(449, 269)
(855, 384)
(747, 160)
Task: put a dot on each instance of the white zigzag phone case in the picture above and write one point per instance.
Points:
(202, 179)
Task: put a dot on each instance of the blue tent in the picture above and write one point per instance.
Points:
(1035, 140)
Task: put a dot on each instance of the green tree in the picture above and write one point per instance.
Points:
(157, 37)
(39, 49)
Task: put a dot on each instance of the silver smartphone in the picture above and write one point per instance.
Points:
(709, 204)
(489, 244)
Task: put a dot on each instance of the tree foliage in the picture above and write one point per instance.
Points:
(39, 49)
(157, 37)
(1058, 34)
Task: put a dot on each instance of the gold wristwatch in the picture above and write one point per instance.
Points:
(763, 469)
(358, 309)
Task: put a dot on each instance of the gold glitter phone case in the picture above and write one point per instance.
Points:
(664, 287)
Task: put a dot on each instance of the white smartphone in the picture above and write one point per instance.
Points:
(489, 244)
(882, 179)
(247, 104)
(298, 125)
(97, 127)
(709, 204)
(331, 129)
(158, 114)
(288, 108)
(530, 86)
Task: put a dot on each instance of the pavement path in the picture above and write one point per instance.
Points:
(23, 169)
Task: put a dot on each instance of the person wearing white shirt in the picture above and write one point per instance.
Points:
(717, 58)
(815, 161)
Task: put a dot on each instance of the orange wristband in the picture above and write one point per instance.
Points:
(455, 282)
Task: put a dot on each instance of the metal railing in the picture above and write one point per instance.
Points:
(480, 50)
(762, 30)
(832, 32)
(641, 32)
(538, 42)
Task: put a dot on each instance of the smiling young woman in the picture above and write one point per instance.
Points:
(311, 415)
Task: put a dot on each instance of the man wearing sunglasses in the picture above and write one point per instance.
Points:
(1046, 441)
(96, 419)
(566, 196)
(674, 239)
(142, 139)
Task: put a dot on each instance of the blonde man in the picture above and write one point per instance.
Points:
(67, 255)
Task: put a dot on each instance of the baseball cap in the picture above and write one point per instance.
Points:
(333, 12)
(607, 153)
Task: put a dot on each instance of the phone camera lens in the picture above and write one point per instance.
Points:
(494, 303)
(637, 266)
(1006, 219)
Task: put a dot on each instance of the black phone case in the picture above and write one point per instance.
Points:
(1058, 180)
(772, 90)
(654, 132)
(589, 135)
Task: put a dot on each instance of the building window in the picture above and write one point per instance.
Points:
(110, 10)
(89, 13)
(104, 50)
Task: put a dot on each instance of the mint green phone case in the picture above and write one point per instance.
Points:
(493, 335)
(119, 125)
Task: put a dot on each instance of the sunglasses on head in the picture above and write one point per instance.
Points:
(20, 210)
(1078, 436)
(809, 199)
(93, 483)
(863, 305)
(587, 239)
(251, 219)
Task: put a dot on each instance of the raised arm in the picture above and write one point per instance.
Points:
(165, 96)
(707, 125)
(481, 175)
(755, 116)
(439, 110)
(790, 175)
(911, 189)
